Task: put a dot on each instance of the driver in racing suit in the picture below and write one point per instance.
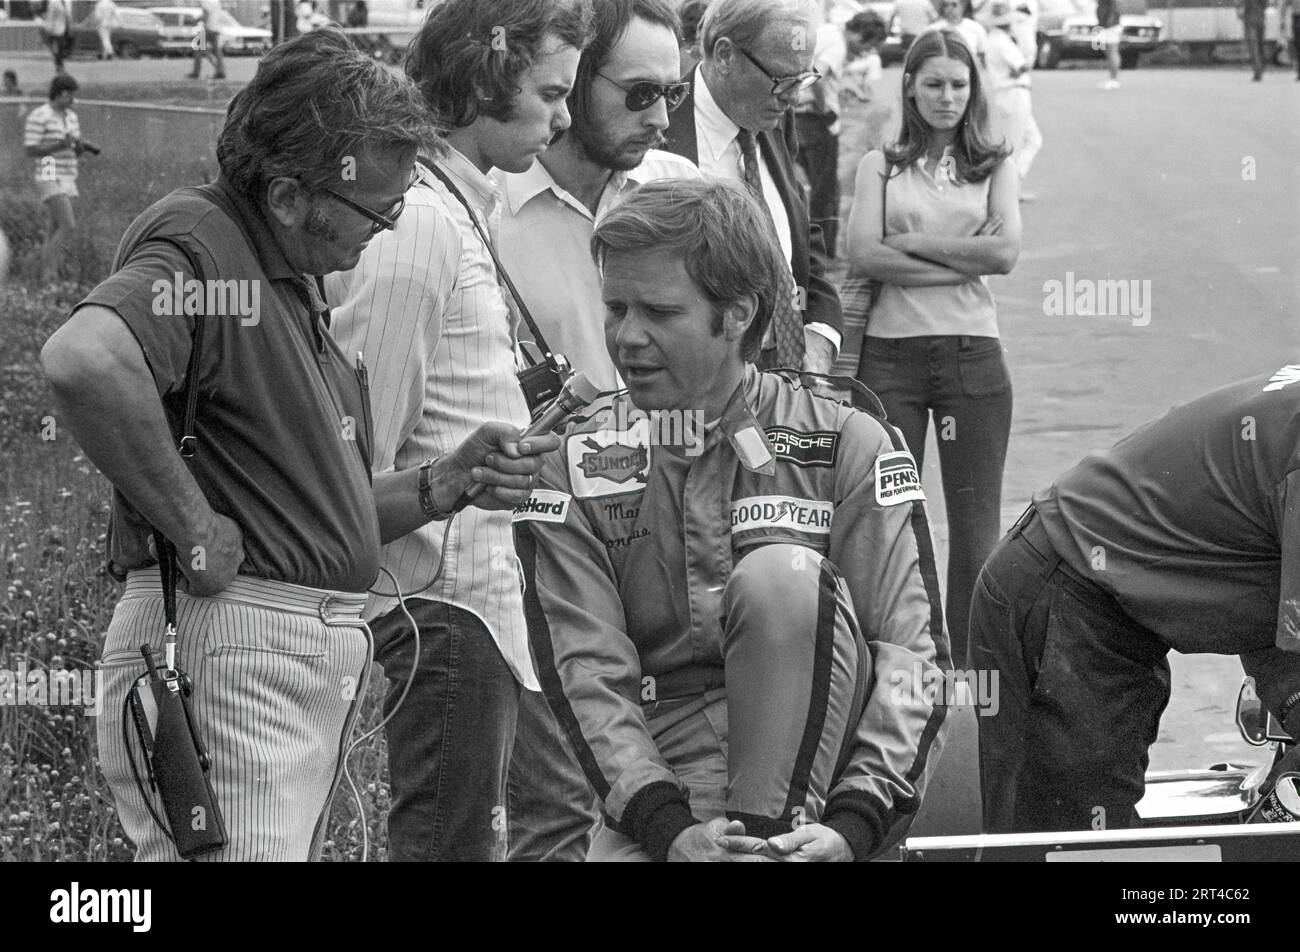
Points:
(734, 626)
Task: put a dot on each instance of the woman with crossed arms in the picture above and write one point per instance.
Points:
(951, 215)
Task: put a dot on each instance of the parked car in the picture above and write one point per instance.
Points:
(135, 32)
(182, 24)
(1067, 29)
(1201, 25)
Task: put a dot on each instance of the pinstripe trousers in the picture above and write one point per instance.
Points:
(278, 671)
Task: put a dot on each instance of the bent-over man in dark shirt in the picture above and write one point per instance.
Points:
(1185, 535)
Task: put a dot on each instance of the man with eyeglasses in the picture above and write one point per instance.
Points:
(737, 123)
(277, 520)
(430, 311)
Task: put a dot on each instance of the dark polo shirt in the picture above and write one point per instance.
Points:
(1193, 521)
(283, 417)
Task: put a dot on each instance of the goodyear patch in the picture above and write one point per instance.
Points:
(782, 512)
(544, 505)
(804, 448)
(897, 480)
(608, 463)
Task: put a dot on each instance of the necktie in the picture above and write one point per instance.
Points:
(787, 323)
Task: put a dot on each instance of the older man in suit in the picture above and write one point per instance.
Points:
(737, 124)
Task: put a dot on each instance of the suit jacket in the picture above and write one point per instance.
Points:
(807, 246)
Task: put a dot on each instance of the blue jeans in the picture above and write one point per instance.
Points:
(553, 810)
(1081, 688)
(963, 381)
(449, 744)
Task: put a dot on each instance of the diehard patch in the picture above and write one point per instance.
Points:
(544, 505)
(608, 463)
(804, 448)
(897, 480)
(782, 512)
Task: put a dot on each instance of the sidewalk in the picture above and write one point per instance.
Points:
(145, 76)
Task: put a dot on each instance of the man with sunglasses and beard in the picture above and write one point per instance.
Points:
(737, 123)
(626, 86)
(427, 307)
(627, 83)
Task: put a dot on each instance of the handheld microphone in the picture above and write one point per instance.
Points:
(577, 394)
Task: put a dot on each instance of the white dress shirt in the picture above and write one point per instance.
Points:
(546, 247)
(425, 308)
(720, 157)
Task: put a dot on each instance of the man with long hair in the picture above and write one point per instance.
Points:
(427, 307)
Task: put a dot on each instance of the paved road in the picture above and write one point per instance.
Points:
(1187, 179)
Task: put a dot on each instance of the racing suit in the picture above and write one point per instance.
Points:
(663, 589)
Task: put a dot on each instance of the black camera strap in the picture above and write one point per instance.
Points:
(538, 337)
(188, 446)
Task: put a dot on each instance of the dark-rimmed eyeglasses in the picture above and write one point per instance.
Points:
(380, 222)
(641, 96)
(784, 85)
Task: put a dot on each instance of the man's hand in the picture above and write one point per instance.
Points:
(210, 562)
(818, 353)
(494, 456)
(810, 843)
(717, 841)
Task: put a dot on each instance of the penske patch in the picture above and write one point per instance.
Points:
(544, 505)
(897, 480)
(804, 448)
(782, 512)
(608, 463)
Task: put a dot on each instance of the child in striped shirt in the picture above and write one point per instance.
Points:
(53, 138)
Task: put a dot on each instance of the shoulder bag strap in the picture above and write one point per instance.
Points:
(538, 337)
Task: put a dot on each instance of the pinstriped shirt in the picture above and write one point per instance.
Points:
(425, 308)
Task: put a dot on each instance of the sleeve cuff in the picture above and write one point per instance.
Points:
(857, 831)
(860, 820)
(830, 333)
(656, 814)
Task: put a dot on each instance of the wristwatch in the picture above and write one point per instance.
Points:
(425, 486)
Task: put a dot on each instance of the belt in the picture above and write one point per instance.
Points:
(1030, 530)
(263, 593)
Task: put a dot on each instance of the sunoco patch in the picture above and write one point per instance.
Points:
(897, 480)
(544, 505)
(803, 448)
(607, 463)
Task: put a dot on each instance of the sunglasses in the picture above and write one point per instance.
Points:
(641, 96)
(380, 222)
(784, 85)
